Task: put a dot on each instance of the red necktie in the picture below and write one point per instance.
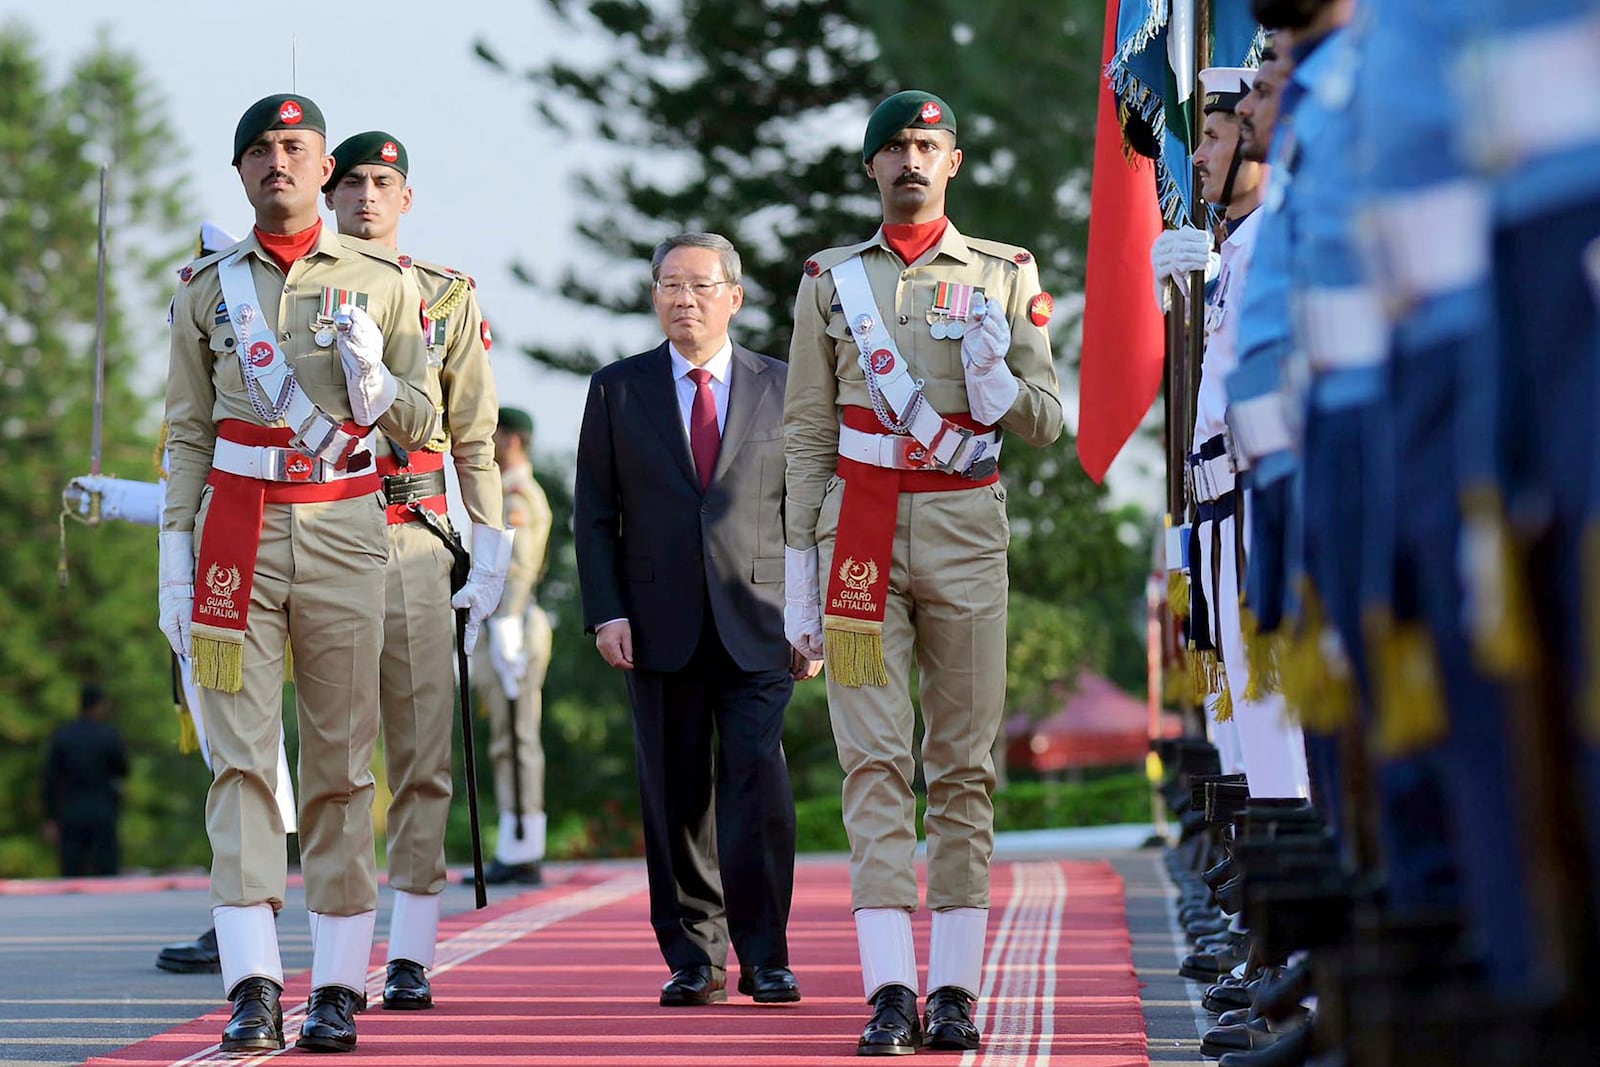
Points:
(705, 440)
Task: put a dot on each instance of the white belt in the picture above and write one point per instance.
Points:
(899, 452)
(1212, 479)
(1561, 61)
(1432, 241)
(1342, 328)
(1259, 426)
(281, 463)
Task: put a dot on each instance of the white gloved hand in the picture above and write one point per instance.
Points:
(175, 590)
(371, 387)
(988, 337)
(508, 653)
(802, 602)
(491, 557)
(1175, 254)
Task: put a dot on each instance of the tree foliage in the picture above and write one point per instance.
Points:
(745, 118)
(100, 626)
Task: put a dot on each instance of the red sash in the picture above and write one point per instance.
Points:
(863, 551)
(226, 571)
(422, 461)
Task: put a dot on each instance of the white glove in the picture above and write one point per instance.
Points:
(175, 591)
(491, 557)
(367, 381)
(988, 336)
(802, 602)
(137, 502)
(508, 653)
(1175, 254)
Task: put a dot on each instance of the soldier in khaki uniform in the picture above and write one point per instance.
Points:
(511, 669)
(368, 193)
(897, 536)
(290, 351)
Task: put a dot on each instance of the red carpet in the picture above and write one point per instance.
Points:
(568, 975)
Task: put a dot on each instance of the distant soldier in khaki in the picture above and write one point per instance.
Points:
(291, 351)
(368, 193)
(912, 351)
(511, 670)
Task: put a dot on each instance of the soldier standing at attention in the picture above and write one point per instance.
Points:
(290, 352)
(511, 670)
(368, 193)
(912, 351)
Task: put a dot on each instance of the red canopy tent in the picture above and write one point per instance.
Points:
(1098, 725)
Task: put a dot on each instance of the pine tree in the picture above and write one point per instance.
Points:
(100, 626)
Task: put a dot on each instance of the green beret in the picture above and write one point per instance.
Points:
(911, 108)
(284, 111)
(515, 420)
(374, 146)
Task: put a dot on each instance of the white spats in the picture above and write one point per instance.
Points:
(955, 954)
(247, 940)
(511, 851)
(414, 927)
(888, 955)
(341, 950)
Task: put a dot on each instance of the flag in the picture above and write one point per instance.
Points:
(1123, 341)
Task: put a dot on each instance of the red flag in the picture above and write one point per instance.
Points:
(1124, 342)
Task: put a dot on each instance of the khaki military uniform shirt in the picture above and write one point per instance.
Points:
(206, 385)
(528, 513)
(824, 374)
(460, 379)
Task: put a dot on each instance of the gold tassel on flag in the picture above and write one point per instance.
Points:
(853, 651)
(1224, 697)
(188, 739)
(1261, 653)
(1319, 692)
(1410, 712)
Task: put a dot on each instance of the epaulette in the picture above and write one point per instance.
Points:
(829, 258)
(187, 272)
(373, 249)
(1000, 250)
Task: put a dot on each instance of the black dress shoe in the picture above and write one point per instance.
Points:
(257, 1021)
(691, 987)
(330, 1025)
(894, 1029)
(950, 1026)
(1292, 1049)
(1242, 1037)
(191, 957)
(498, 873)
(769, 985)
(406, 987)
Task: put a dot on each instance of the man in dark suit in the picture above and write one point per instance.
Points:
(83, 778)
(679, 536)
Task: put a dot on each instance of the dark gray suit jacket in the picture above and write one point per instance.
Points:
(651, 546)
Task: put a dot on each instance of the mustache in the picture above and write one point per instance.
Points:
(275, 175)
(911, 177)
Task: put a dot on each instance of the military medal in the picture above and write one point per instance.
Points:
(324, 335)
(952, 305)
(332, 301)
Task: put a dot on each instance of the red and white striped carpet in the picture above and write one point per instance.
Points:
(568, 974)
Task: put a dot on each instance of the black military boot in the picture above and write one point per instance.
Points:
(894, 1029)
(257, 1021)
(330, 1025)
(406, 987)
(950, 1026)
(192, 957)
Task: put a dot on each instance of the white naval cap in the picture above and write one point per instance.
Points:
(1224, 87)
(214, 238)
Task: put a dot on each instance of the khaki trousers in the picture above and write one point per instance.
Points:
(318, 581)
(416, 687)
(947, 607)
(530, 713)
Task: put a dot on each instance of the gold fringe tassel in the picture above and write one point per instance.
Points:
(1178, 593)
(1177, 689)
(1321, 694)
(1261, 651)
(1501, 622)
(854, 656)
(188, 739)
(1224, 700)
(1410, 711)
(218, 664)
(1203, 672)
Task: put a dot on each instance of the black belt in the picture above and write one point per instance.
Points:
(401, 489)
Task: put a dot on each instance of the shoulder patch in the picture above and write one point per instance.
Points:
(1040, 308)
(813, 268)
(1023, 257)
(185, 274)
(488, 341)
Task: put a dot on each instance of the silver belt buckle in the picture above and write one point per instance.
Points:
(291, 465)
(318, 435)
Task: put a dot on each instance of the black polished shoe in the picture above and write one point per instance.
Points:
(691, 987)
(1291, 1049)
(894, 1029)
(498, 873)
(769, 985)
(257, 1021)
(192, 957)
(950, 1026)
(330, 1025)
(406, 987)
